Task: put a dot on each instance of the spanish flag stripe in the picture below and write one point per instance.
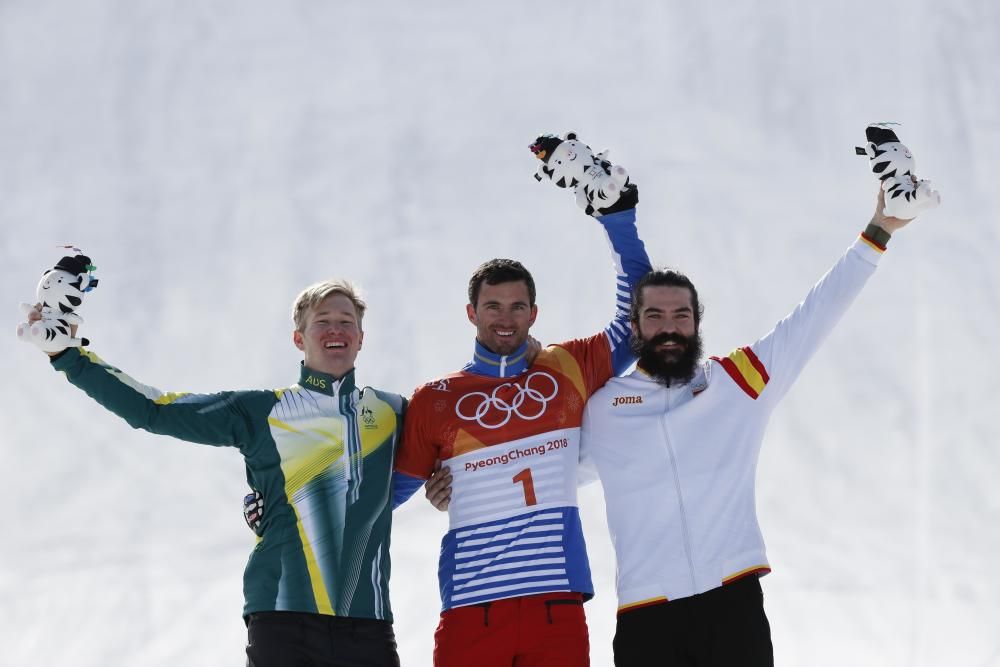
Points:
(641, 603)
(756, 364)
(756, 569)
(734, 373)
(872, 243)
(747, 370)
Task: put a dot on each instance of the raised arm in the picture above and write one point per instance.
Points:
(604, 191)
(769, 367)
(631, 263)
(213, 419)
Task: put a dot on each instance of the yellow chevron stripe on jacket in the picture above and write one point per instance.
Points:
(323, 604)
(559, 359)
(152, 393)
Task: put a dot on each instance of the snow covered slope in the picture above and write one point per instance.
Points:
(215, 157)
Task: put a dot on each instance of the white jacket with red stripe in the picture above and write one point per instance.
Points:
(678, 463)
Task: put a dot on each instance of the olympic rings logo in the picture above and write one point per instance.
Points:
(533, 392)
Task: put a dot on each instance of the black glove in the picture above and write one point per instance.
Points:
(628, 198)
(253, 510)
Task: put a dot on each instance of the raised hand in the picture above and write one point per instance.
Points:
(600, 186)
(886, 222)
(894, 165)
(51, 333)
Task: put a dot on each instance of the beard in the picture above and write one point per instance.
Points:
(668, 366)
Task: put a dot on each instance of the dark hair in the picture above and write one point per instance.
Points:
(497, 271)
(665, 278)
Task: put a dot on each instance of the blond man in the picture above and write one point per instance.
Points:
(320, 454)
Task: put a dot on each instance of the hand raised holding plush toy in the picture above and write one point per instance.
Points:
(893, 164)
(52, 321)
(600, 186)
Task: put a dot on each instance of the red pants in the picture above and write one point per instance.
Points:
(547, 630)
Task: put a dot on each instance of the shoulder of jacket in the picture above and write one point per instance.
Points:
(283, 393)
(441, 384)
(396, 401)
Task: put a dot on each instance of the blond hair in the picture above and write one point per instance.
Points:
(313, 295)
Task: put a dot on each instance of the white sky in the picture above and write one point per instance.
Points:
(215, 157)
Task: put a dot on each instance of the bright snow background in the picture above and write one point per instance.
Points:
(215, 157)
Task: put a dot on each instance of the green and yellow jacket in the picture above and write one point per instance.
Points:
(321, 454)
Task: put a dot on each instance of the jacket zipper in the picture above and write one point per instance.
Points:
(345, 456)
(677, 487)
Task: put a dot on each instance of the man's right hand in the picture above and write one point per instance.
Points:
(34, 312)
(437, 489)
(628, 198)
(253, 510)
(887, 223)
(51, 335)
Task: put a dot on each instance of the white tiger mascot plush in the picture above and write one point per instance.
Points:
(60, 292)
(893, 163)
(569, 163)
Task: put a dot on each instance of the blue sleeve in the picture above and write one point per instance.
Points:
(404, 486)
(631, 264)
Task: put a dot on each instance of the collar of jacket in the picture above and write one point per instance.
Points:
(485, 362)
(324, 383)
(698, 383)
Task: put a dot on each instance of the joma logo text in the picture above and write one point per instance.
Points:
(626, 400)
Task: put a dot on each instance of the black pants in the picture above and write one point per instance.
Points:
(724, 627)
(292, 639)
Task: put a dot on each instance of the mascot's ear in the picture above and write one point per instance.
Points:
(570, 136)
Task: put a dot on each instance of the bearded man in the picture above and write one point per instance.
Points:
(676, 444)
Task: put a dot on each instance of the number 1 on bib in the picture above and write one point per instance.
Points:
(529, 486)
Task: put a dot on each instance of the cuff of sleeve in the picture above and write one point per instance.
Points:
(868, 249)
(876, 235)
(620, 218)
(403, 487)
(62, 360)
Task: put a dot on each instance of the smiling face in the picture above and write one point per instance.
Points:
(60, 289)
(666, 310)
(331, 336)
(665, 338)
(503, 314)
(568, 163)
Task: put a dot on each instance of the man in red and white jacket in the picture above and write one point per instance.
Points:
(676, 445)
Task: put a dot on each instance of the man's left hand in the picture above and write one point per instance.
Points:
(534, 347)
(880, 219)
(437, 489)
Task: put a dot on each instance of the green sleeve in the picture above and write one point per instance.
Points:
(227, 418)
